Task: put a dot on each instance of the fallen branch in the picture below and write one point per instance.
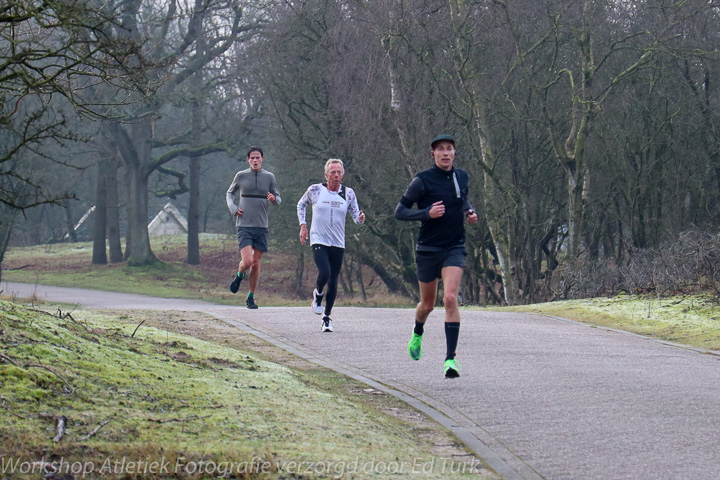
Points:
(188, 419)
(95, 430)
(40, 365)
(13, 413)
(8, 408)
(60, 315)
(186, 405)
(19, 268)
(7, 359)
(60, 425)
(61, 422)
(136, 329)
(42, 311)
(65, 315)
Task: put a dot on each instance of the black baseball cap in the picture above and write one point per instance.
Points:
(444, 137)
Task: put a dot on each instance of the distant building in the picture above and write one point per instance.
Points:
(168, 221)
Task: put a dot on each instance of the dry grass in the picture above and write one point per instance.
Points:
(69, 265)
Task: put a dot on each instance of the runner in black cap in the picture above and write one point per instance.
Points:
(441, 194)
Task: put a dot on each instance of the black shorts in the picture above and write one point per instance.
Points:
(430, 264)
(256, 237)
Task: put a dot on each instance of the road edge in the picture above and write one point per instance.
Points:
(477, 446)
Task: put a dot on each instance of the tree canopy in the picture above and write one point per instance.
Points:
(589, 129)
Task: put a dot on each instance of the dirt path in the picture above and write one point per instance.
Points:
(538, 397)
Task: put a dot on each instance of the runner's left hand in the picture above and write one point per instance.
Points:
(472, 217)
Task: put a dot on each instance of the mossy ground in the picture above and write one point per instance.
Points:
(174, 396)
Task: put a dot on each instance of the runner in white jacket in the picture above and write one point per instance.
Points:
(331, 202)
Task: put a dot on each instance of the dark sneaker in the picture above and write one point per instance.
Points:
(317, 302)
(451, 368)
(250, 302)
(326, 324)
(235, 285)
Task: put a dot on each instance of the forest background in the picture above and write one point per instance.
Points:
(590, 129)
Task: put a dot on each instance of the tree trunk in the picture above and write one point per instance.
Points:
(7, 220)
(361, 284)
(193, 240)
(576, 209)
(500, 218)
(134, 148)
(138, 241)
(69, 224)
(299, 272)
(394, 285)
(503, 245)
(193, 215)
(345, 279)
(99, 255)
(113, 213)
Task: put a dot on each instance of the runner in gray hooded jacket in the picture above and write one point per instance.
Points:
(257, 188)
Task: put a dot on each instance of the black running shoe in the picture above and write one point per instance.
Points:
(250, 302)
(235, 285)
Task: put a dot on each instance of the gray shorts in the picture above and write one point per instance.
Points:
(430, 264)
(256, 237)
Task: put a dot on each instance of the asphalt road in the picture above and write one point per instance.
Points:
(538, 397)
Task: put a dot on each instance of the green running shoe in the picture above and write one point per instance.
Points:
(415, 346)
(452, 368)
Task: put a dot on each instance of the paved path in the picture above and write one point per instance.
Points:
(539, 397)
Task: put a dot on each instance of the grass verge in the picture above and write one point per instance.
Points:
(182, 395)
(690, 320)
(70, 265)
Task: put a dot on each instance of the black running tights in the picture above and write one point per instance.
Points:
(329, 261)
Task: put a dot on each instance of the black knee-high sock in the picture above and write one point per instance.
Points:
(452, 332)
(419, 328)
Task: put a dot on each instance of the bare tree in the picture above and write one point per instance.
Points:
(142, 142)
(50, 53)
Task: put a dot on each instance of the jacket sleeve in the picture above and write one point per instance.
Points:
(274, 190)
(353, 207)
(302, 206)
(230, 196)
(413, 194)
(466, 201)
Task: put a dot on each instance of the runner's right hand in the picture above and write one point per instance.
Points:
(437, 210)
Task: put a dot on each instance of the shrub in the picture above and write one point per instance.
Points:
(690, 264)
